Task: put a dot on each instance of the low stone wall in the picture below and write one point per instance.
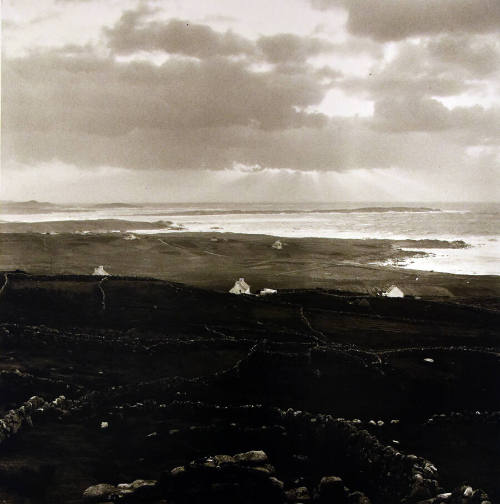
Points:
(325, 446)
(328, 445)
(21, 417)
(461, 417)
(18, 383)
(247, 478)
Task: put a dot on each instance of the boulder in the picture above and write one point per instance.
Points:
(99, 493)
(420, 492)
(467, 492)
(358, 498)
(144, 489)
(300, 494)
(178, 471)
(259, 471)
(245, 478)
(276, 483)
(331, 489)
(224, 459)
(254, 457)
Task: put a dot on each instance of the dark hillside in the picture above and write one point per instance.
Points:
(134, 376)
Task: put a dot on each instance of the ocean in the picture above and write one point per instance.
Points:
(477, 224)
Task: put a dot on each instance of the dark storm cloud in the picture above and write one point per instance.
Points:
(133, 33)
(342, 145)
(287, 47)
(378, 86)
(441, 66)
(213, 148)
(397, 19)
(221, 99)
(330, 73)
(352, 45)
(411, 115)
(54, 105)
(99, 95)
(405, 89)
(428, 115)
(479, 55)
(93, 111)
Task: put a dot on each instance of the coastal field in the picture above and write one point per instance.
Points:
(215, 260)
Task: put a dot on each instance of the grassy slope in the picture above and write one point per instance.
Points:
(195, 259)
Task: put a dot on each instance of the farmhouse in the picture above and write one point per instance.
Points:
(240, 287)
(394, 291)
(100, 271)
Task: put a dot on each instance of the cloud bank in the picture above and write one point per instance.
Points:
(160, 92)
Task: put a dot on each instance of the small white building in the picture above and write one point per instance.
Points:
(240, 287)
(393, 292)
(266, 292)
(100, 271)
(277, 245)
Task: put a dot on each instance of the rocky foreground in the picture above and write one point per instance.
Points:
(136, 390)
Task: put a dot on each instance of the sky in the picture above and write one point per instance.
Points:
(269, 100)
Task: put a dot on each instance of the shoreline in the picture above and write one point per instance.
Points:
(450, 260)
(474, 256)
(446, 253)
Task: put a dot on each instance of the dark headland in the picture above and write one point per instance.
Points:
(155, 385)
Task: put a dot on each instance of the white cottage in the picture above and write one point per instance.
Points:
(240, 287)
(277, 245)
(266, 292)
(393, 292)
(100, 271)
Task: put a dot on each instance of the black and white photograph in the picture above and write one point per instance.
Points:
(250, 252)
